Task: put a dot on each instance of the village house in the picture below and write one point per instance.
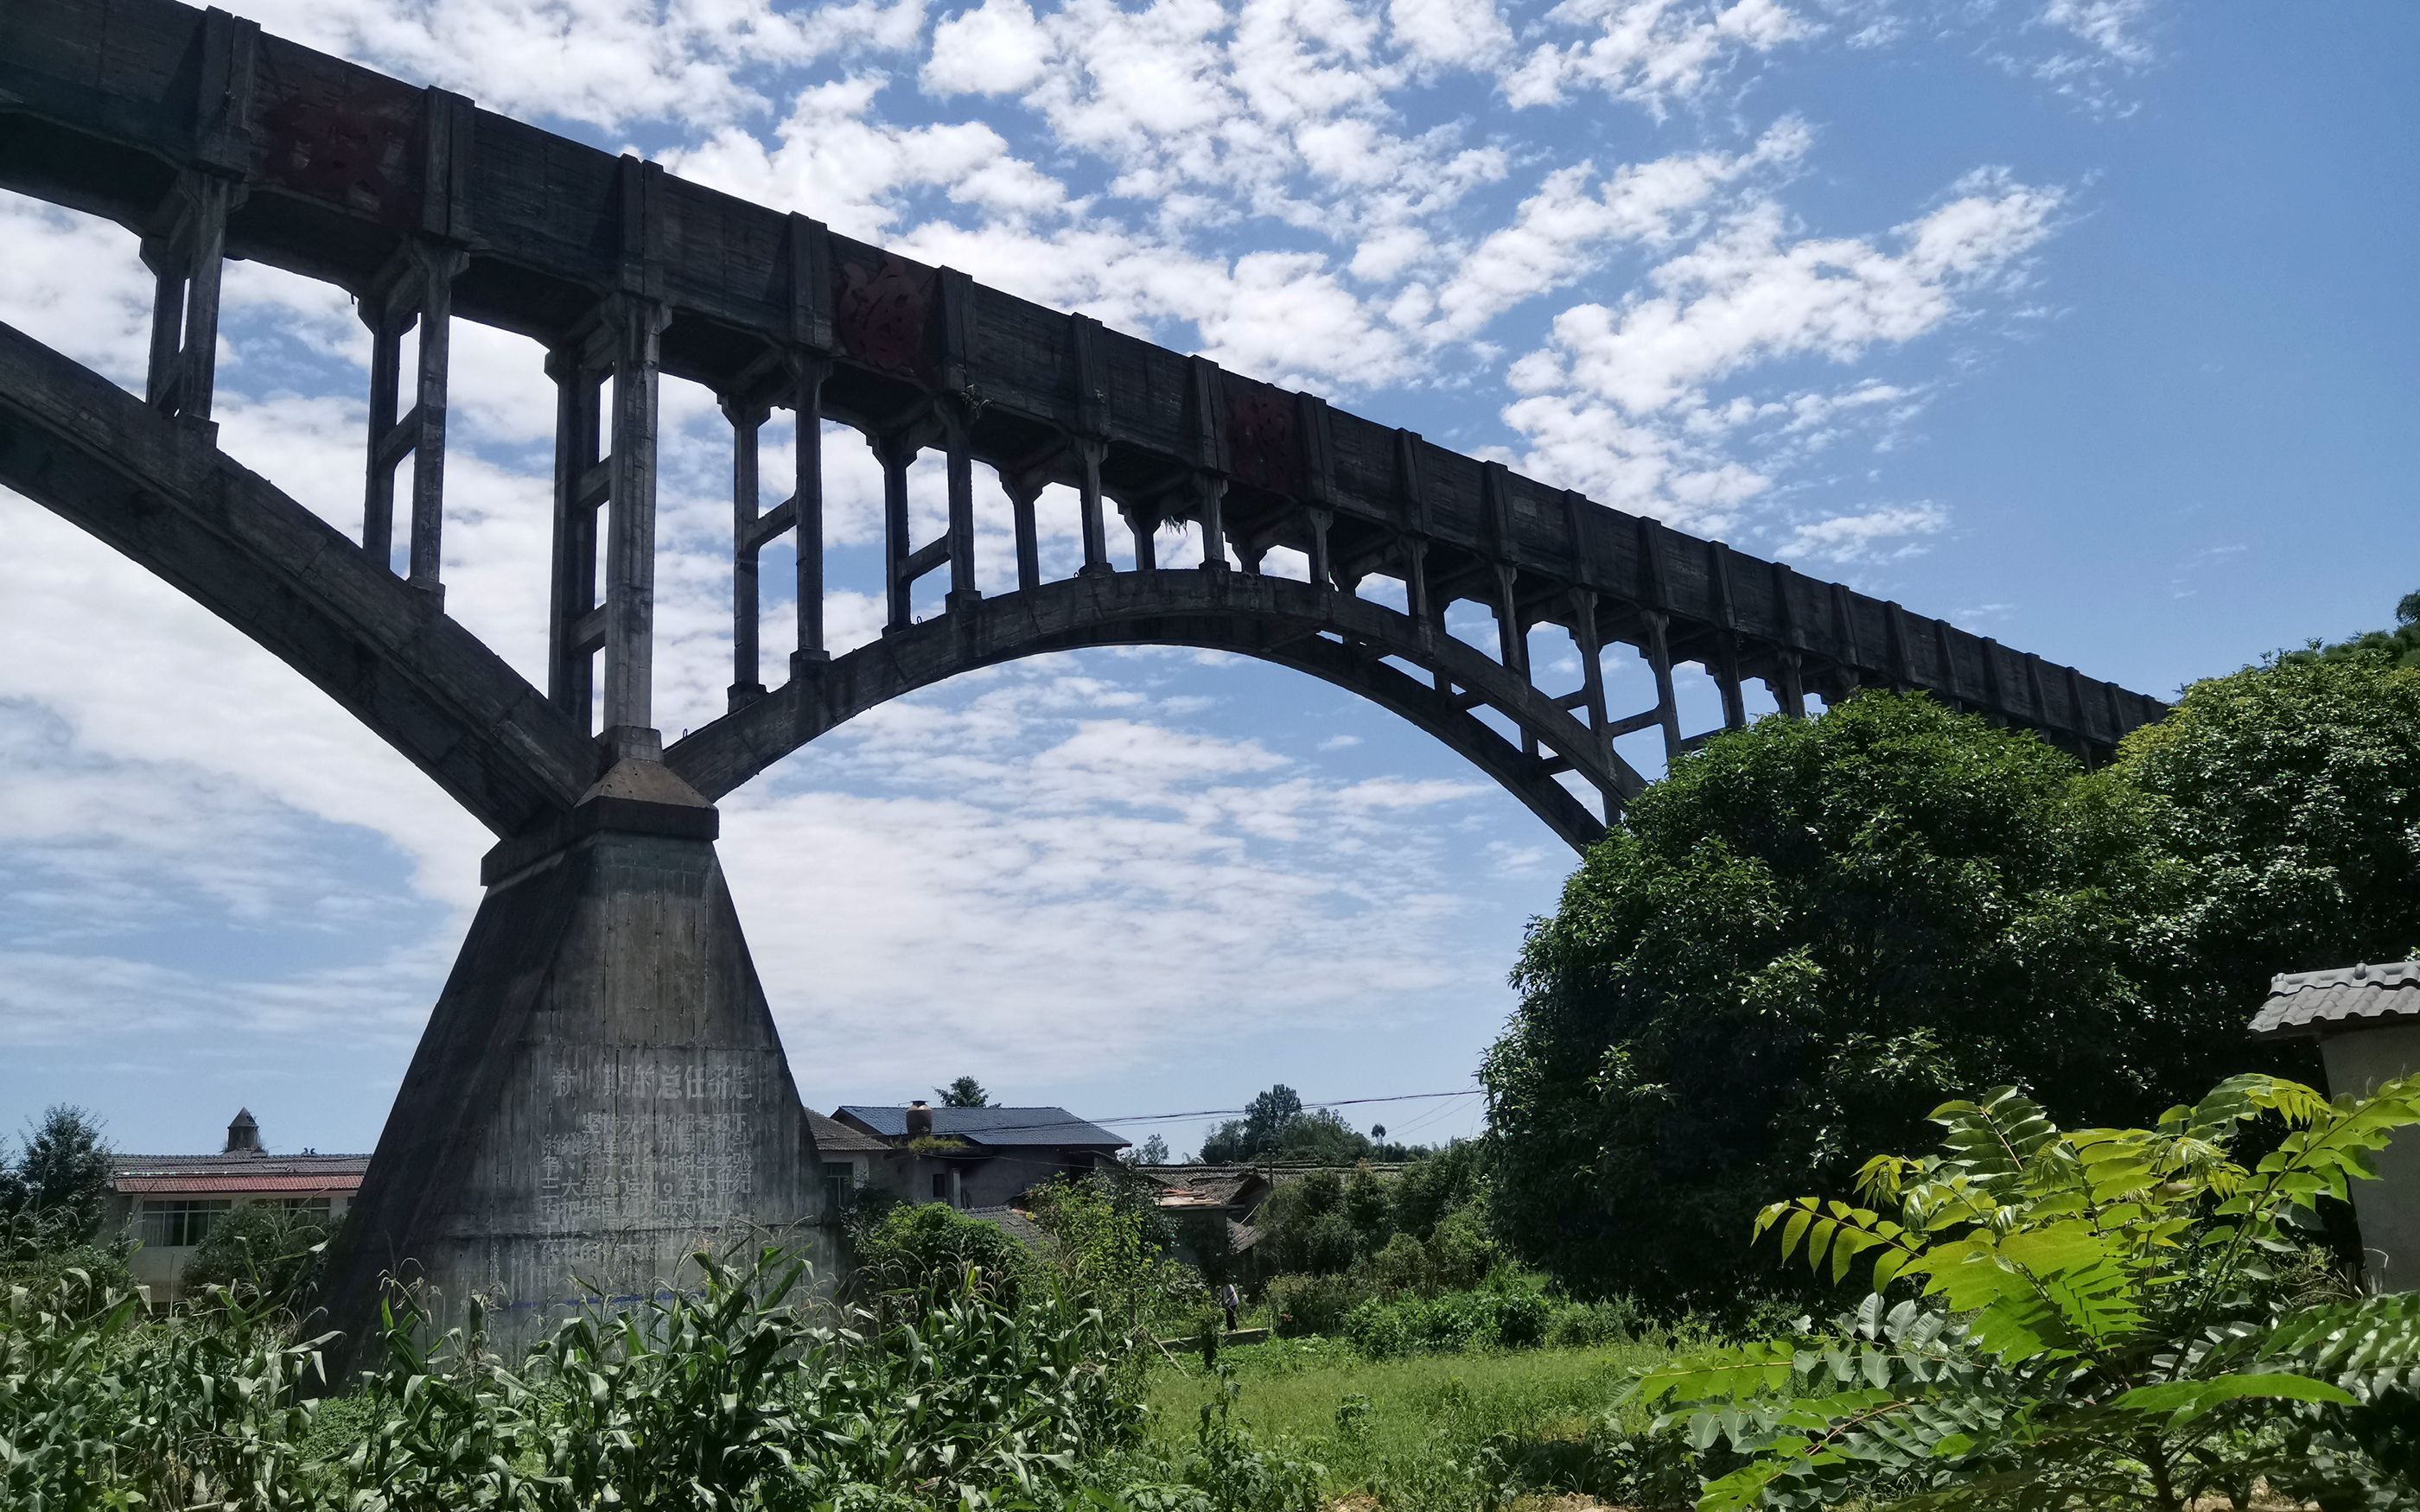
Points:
(971, 1158)
(168, 1202)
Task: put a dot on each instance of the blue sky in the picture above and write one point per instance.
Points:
(2085, 323)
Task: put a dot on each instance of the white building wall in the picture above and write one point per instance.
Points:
(2388, 1208)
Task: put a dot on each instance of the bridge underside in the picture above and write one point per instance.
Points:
(1357, 645)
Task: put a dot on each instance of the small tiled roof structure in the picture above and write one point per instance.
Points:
(240, 1173)
(989, 1127)
(1186, 1187)
(833, 1137)
(2312, 1002)
(1017, 1226)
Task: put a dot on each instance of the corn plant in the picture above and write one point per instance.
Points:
(2086, 1318)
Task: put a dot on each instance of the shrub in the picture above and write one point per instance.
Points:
(917, 1249)
(271, 1254)
(1579, 1324)
(1312, 1304)
(2086, 1318)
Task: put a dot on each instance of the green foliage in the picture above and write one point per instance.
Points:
(733, 1393)
(1152, 1151)
(2399, 647)
(1228, 1470)
(1807, 934)
(1108, 1249)
(2290, 796)
(915, 1249)
(1276, 1126)
(59, 1180)
(1304, 1304)
(2090, 1318)
(1515, 1314)
(271, 1254)
(1424, 1228)
(1443, 1433)
(965, 1092)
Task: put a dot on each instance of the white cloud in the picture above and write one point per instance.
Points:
(1893, 532)
(995, 49)
(1563, 230)
(1650, 52)
(1464, 34)
(1748, 294)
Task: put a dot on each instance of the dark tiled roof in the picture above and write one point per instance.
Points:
(835, 1137)
(2348, 997)
(238, 1164)
(991, 1126)
(1015, 1225)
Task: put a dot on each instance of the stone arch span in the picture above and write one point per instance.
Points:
(164, 495)
(1336, 637)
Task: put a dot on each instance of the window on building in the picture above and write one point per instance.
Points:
(941, 1187)
(179, 1224)
(315, 1208)
(840, 1179)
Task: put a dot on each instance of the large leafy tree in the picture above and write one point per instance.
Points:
(1804, 939)
(2290, 795)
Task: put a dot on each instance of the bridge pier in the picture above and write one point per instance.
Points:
(600, 1089)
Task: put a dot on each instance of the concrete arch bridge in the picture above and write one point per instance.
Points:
(600, 1084)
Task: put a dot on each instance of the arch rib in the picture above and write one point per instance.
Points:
(1333, 636)
(165, 496)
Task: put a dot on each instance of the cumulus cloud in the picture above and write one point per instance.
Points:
(1893, 532)
(1654, 52)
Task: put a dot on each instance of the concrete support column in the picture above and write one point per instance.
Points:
(1659, 662)
(1323, 563)
(1022, 495)
(601, 1091)
(895, 453)
(807, 376)
(957, 419)
(1213, 491)
(185, 265)
(1790, 686)
(630, 542)
(747, 498)
(1090, 454)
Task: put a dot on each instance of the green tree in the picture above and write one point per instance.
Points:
(2289, 793)
(1152, 1151)
(1277, 1126)
(2401, 645)
(965, 1092)
(1804, 939)
(267, 1253)
(60, 1182)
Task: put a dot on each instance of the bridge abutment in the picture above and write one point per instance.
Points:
(601, 1091)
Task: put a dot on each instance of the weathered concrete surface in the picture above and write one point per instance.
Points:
(160, 493)
(600, 1089)
(1336, 637)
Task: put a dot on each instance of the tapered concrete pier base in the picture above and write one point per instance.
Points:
(601, 1091)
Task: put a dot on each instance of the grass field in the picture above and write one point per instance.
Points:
(1430, 1433)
